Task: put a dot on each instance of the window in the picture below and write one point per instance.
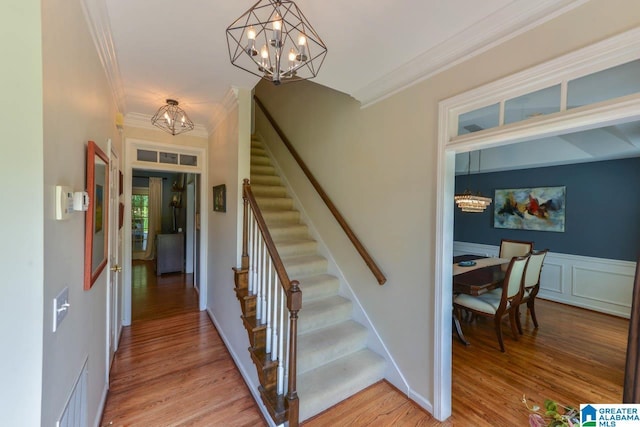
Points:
(139, 219)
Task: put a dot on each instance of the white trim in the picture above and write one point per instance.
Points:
(131, 145)
(510, 21)
(97, 17)
(251, 385)
(613, 51)
(229, 102)
(143, 121)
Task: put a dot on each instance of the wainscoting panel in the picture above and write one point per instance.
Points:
(598, 284)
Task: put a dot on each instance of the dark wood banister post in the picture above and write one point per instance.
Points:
(294, 304)
(352, 236)
(245, 225)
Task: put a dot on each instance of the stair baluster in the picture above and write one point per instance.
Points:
(264, 280)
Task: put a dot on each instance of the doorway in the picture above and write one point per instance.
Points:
(609, 53)
(181, 166)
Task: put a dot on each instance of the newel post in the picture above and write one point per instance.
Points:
(245, 224)
(294, 303)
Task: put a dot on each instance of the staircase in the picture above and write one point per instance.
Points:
(333, 360)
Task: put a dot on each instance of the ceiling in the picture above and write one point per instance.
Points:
(163, 49)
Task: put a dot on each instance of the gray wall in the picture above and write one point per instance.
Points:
(602, 208)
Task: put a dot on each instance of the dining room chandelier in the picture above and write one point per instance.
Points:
(172, 119)
(469, 202)
(290, 49)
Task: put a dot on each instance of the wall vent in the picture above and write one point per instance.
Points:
(75, 411)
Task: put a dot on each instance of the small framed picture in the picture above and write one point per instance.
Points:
(220, 198)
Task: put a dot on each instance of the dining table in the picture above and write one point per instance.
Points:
(476, 275)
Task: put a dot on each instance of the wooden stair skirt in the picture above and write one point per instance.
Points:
(277, 404)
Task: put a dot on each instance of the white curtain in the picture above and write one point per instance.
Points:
(155, 216)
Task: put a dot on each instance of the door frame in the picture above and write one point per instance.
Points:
(599, 56)
(114, 319)
(131, 163)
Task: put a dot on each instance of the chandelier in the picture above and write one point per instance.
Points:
(469, 202)
(290, 49)
(172, 119)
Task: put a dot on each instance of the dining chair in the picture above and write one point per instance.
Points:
(531, 286)
(496, 305)
(510, 248)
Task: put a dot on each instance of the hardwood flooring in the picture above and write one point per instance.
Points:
(172, 369)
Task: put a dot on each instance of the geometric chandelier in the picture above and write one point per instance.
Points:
(468, 202)
(171, 118)
(273, 40)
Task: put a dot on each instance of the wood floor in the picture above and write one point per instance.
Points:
(172, 369)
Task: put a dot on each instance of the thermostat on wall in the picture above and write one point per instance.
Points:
(64, 202)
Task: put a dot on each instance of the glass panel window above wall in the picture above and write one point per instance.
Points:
(480, 119)
(538, 103)
(147, 156)
(171, 158)
(611, 83)
(188, 160)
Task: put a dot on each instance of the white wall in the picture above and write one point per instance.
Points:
(21, 252)
(78, 106)
(229, 161)
(378, 165)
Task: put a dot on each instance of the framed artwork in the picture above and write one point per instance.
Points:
(540, 208)
(96, 221)
(219, 198)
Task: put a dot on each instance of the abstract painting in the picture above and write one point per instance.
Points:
(540, 208)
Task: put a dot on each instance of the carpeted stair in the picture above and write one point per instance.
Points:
(333, 359)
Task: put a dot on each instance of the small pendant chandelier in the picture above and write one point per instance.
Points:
(290, 49)
(469, 202)
(172, 119)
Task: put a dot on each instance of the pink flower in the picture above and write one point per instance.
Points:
(536, 420)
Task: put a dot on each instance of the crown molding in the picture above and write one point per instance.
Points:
(507, 23)
(229, 102)
(143, 121)
(97, 17)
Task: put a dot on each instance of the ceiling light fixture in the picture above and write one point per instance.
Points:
(468, 202)
(291, 50)
(172, 119)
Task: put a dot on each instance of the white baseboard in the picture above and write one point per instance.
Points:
(597, 284)
(253, 388)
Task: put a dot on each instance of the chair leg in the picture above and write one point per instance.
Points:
(513, 322)
(518, 321)
(498, 325)
(532, 309)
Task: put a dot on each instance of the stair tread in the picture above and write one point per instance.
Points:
(322, 312)
(329, 384)
(324, 345)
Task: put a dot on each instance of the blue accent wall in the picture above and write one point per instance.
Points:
(602, 208)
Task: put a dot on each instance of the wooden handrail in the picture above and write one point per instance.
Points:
(332, 208)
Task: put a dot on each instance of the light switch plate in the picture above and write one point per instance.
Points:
(60, 307)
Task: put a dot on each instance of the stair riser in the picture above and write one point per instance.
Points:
(268, 191)
(248, 305)
(303, 248)
(267, 373)
(263, 170)
(257, 334)
(257, 160)
(343, 345)
(307, 269)
(265, 179)
(334, 315)
(281, 217)
(267, 203)
(298, 231)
